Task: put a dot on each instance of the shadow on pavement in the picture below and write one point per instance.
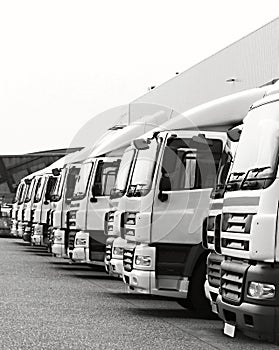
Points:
(169, 313)
(95, 277)
(135, 296)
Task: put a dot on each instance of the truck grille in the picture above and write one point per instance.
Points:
(128, 258)
(108, 252)
(236, 230)
(214, 269)
(71, 219)
(71, 241)
(232, 281)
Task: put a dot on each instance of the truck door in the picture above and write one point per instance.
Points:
(185, 181)
(98, 204)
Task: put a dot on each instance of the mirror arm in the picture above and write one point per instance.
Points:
(93, 199)
(163, 197)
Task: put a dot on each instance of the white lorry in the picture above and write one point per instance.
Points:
(58, 230)
(16, 203)
(41, 205)
(167, 200)
(248, 234)
(214, 260)
(90, 201)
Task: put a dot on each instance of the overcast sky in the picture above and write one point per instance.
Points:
(64, 61)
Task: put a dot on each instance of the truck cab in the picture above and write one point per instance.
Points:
(248, 298)
(168, 199)
(88, 206)
(17, 199)
(212, 222)
(89, 212)
(22, 204)
(42, 207)
(166, 202)
(115, 243)
(60, 214)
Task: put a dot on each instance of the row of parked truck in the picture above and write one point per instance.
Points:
(179, 205)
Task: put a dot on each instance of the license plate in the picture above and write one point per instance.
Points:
(229, 329)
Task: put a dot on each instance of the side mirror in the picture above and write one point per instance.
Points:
(56, 172)
(140, 144)
(164, 185)
(234, 133)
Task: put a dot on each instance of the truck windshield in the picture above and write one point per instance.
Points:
(18, 192)
(71, 181)
(30, 187)
(82, 181)
(22, 194)
(256, 158)
(105, 177)
(51, 182)
(57, 190)
(222, 174)
(145, 161)
(123, 174)
(39, 189)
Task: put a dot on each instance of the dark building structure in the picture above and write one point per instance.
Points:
(14, 167)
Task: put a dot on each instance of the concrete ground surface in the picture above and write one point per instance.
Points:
(47, 303)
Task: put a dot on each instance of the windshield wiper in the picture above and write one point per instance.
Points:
(234, 181)
(251, 181)
(258, 170)
(78, 194)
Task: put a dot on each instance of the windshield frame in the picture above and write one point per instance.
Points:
(88, 173)
(132, 189)
(58, 189)
(39, 189)
(255, 166)
(29, 191)
(22, 194)
(124, 173)
(71, 176)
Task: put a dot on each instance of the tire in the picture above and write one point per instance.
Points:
(196, 300)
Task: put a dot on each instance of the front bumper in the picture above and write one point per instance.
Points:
(14, 228)
(115, 267)
(211, 294)
(139, 281)
(27, 233)
(80, 254)
(144, 282)
(255, 321)
(58, 246)
(20, 229)
(37, 237)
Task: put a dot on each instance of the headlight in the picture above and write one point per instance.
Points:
(143, 260)
(118, 251)
(110, 217)
(57, 237)
(72, 215)
(129, 232)
(81, 241)
(259, 290)
(110, 228)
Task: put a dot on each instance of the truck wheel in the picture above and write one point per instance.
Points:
(196, 300)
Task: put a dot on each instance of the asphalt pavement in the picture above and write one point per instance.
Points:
(47, 303)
